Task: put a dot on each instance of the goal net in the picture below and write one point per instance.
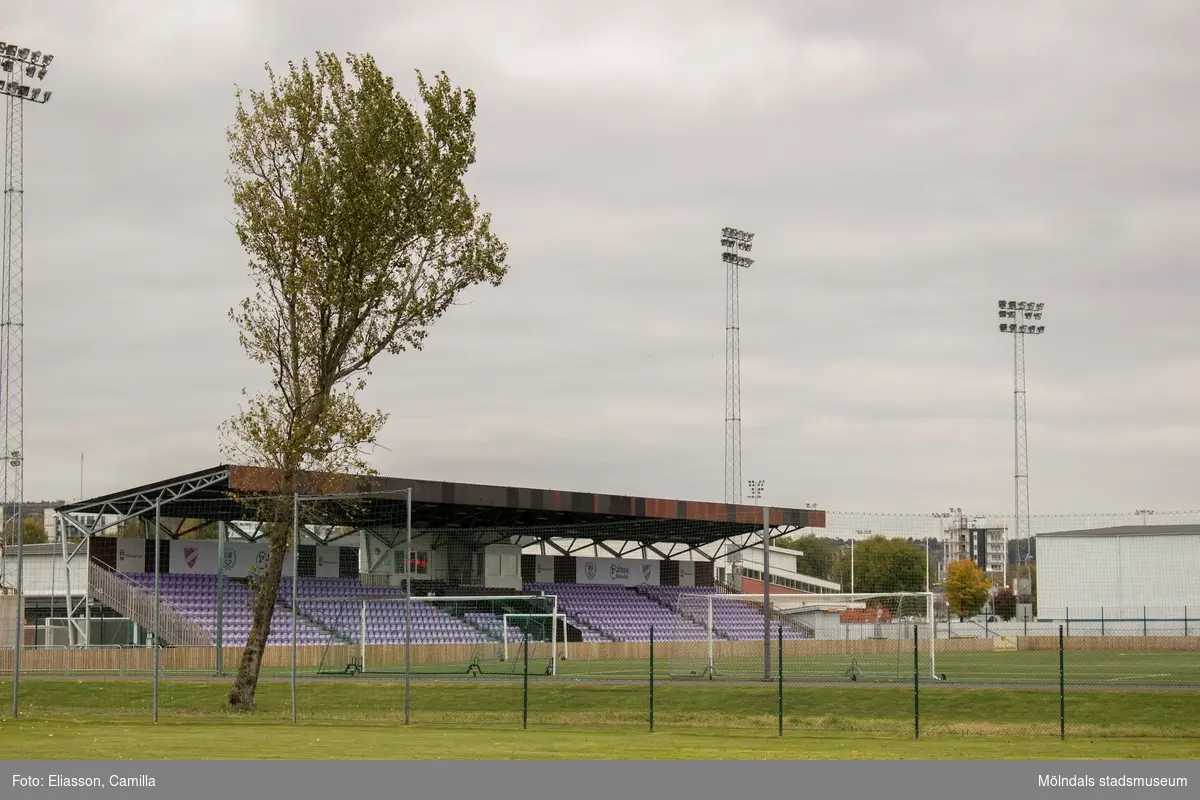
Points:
(827, 637)
(430, 636)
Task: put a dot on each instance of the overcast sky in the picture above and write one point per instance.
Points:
(904, 166)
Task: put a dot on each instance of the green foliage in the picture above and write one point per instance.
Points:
(33, 531)
(1004, 603)
(360, 234)
(131, 529)
(818, 554)
(882, 564)
(966, 588)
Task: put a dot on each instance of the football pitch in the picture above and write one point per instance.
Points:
(1031, 668)
(483, 717)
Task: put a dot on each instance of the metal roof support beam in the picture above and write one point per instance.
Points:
(137, 504)
(605, 547)
(242, 532)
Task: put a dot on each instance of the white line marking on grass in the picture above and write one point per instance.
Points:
(1139, 677)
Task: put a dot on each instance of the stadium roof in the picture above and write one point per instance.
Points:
(488, 514)
(1129, 530)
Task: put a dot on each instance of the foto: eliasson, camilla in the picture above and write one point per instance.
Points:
(116, 781)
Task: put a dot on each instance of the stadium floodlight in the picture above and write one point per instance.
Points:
(19, 63)
(1030, 312)
(734, 241)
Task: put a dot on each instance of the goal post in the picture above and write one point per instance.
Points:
(556, 620)
(382, 635)
(721, 635)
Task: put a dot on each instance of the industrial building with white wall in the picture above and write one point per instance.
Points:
(1133, 573)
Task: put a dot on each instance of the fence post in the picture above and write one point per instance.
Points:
(525, 688)
(294, 582)
(916, 683)
(652, 679)
(781, 680)
(1101, 620)
(1062, 689)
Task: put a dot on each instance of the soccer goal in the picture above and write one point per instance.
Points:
(829, 637)
(391, 636)
(557, 634)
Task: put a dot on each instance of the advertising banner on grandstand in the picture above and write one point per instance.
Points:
(687, 573)
(616, 571)
(131, 555)
(241, 556)
(543, 569)
(198, 557)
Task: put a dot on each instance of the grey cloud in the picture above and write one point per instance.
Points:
(903, 165)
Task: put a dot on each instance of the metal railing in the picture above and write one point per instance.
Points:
(123, 597)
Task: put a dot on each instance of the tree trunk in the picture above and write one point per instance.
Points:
(241, 697)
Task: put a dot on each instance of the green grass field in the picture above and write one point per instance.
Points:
(1096, 668)
(482, 718)
(1002, 704)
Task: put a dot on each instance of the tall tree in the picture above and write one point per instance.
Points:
(966, 588)
(360, 234)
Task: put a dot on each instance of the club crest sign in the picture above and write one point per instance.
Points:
(617, 571)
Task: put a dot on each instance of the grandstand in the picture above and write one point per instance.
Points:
(467, 541)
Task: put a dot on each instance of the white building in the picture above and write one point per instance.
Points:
(55, 524)
(977, 541)
(747, 568)
(1127, 572)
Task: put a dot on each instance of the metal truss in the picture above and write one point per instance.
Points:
(709, 551)
(133, 505)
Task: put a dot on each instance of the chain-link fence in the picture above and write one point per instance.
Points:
(377, 622)
(1048, 686)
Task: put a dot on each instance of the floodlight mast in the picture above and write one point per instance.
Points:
(1021, 318)
(734, 241)
(19, 67)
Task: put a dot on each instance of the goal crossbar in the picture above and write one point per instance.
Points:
(423, 598)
